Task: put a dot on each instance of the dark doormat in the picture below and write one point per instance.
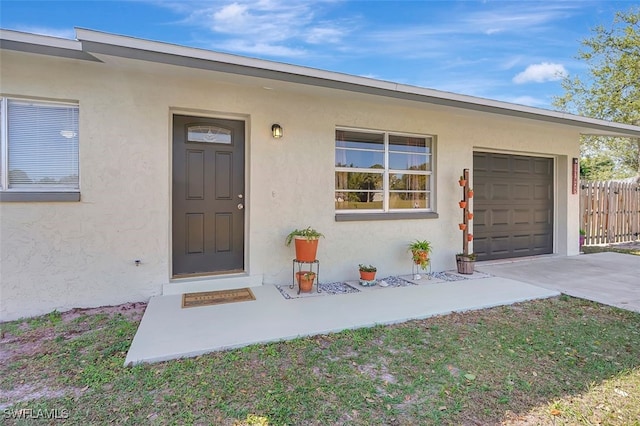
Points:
(207, 298)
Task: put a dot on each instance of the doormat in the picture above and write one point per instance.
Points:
(207, 298)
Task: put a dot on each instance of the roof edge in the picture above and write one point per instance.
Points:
(43, 44)
(88, 41)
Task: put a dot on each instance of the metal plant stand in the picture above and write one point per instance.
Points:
(311, 264)
(415, 269)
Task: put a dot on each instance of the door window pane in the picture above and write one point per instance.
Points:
(208, 134)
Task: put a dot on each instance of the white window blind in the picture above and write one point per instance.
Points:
(42, 145)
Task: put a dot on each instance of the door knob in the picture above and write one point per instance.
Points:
(240, 206)
(240, 196)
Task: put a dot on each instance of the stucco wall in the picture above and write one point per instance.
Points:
(81, 254)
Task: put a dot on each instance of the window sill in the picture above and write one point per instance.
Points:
(351, 217)
(39, 196)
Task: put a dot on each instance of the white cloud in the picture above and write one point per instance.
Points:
(540, 73)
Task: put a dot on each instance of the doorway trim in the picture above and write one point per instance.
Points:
(215, 276)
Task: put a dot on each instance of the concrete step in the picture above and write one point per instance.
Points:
(211, 283)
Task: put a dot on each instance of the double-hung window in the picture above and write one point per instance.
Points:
(383, 172)
(38, 150)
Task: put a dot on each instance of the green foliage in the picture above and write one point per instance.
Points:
(470, 256)
(599, 167)
(309, 233)
(423, 245)
(610, 91)
(367, 268)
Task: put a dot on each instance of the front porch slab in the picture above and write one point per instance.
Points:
(168, 332)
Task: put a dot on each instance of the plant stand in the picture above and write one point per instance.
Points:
(465, 264)
(299, 264)
(415, 270)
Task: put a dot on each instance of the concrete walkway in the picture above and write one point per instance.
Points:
(167, 331)
(609, 278)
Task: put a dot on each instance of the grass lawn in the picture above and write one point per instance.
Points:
(555, 361)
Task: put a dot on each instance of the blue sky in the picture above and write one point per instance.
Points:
(514, 51)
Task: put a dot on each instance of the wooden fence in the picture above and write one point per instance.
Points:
(610, 211)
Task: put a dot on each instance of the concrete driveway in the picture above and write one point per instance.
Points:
(608, 278)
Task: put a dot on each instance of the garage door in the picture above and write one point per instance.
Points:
(512, 205)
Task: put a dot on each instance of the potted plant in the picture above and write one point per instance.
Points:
(367, 272)
(462, 204)
(306, 243)
(420, 250)
(305, 280)
(470, 193)
(462, 181)
(583, 235)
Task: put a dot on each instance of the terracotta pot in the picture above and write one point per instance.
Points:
(462, 182)
(469, 215)
(420, 256)
(306, 250)
(462, 204)
(470, 193)
(462, 226)
(305, 280)
(367, 276)
(469, 237)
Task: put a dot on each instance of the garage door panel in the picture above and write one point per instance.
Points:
(480, 191)
(513, 207)
(500, 164)
(499, 245)
(521, 165)
(521, 217)
(542, 217)
(543, 167)
(521, 191)
(498, 217)
(499, 191)
(479, 221)
(542, 192)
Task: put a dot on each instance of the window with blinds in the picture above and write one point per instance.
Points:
(39, 146)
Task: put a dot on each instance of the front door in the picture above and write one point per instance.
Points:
(208, 195)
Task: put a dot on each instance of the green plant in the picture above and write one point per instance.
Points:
(309, 233)
(309, 275)
(583, 232)
(470, 256)
(420, 250)
(367, 268)
(423, 245)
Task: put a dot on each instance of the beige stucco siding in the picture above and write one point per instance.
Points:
(80, 254)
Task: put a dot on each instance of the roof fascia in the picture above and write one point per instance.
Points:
(43, 45)
(152, 51)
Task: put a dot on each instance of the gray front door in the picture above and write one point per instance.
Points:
(208, 195)
(512, 206)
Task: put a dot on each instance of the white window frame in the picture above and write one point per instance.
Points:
(386, 211)
(42, 193)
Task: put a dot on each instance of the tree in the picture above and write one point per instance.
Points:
(611, 91)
